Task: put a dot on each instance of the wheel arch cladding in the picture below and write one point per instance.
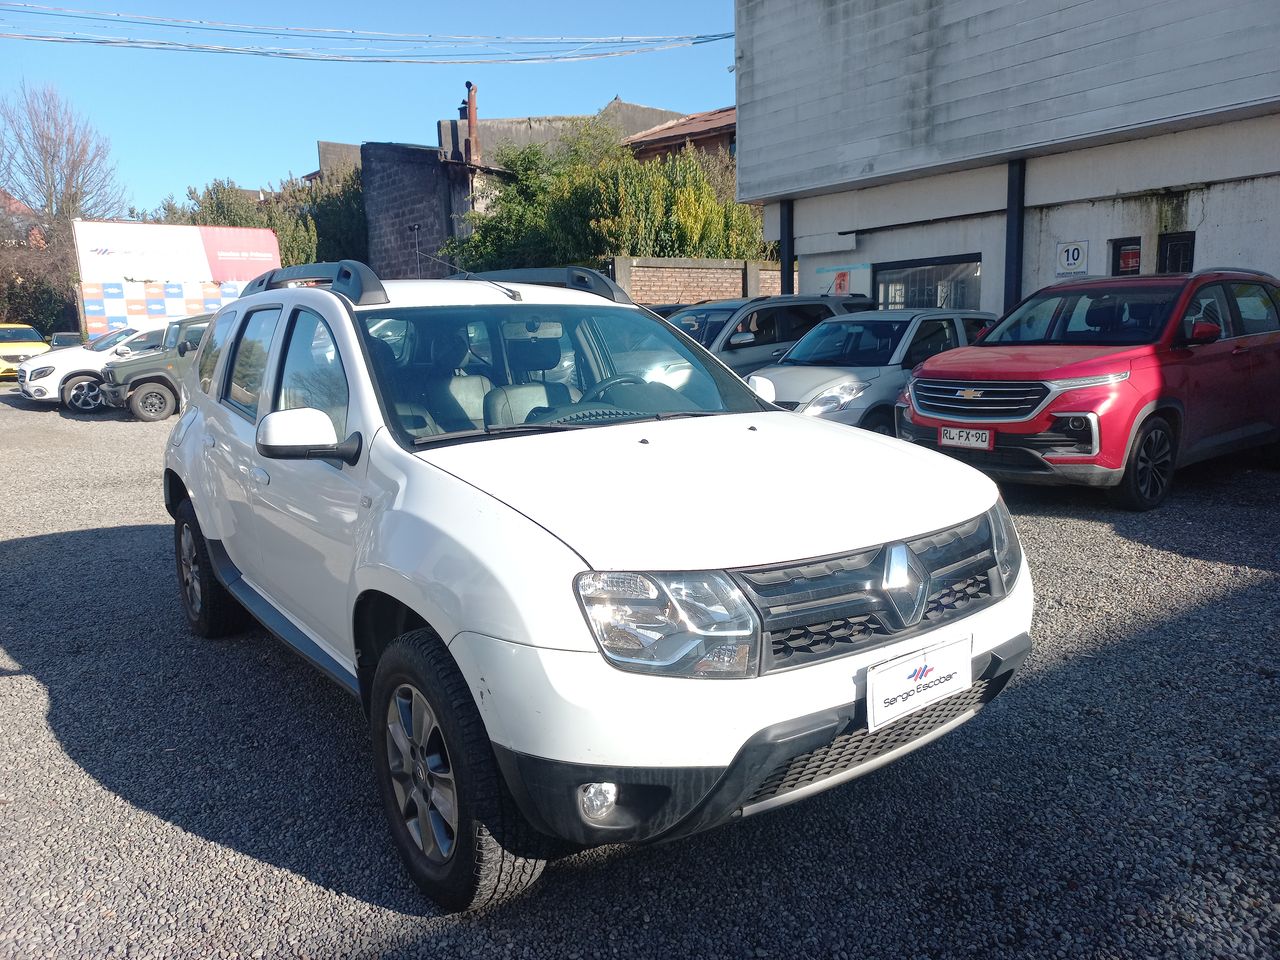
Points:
(378, 618)
(175, 491)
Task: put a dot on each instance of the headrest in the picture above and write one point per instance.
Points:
(381, 352)
(448, 350)
(1102, 314)
(529, 355)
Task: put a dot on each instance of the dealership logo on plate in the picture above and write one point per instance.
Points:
(920, 672)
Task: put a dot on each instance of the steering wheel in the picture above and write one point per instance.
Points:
(608, 384)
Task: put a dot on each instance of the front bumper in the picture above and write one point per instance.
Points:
(779, 764)
(43, 390)
(1016, 457)
(115, 394)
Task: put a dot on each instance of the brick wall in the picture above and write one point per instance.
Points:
(678, 280)
(404, 185)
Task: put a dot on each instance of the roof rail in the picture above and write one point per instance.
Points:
(352, 279)
(1264, 273)
(574, 278)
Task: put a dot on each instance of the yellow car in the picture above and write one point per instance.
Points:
(17, 343)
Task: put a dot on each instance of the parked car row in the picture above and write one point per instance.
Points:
(135, 367)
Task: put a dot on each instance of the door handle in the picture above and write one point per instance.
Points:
(776, 353)
(259, 476)
(1236, 351)
(208, 441)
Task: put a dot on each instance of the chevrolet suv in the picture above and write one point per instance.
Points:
(552, 641)
(1111, 382)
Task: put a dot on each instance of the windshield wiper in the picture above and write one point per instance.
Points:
(495, 431)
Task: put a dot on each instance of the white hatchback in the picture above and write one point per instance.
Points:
(553, 635)
(72, 376)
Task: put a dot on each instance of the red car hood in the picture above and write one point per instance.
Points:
(1044, 362)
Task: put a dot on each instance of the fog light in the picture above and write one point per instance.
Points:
(1078, 424)
(38, 391)
(597, 799)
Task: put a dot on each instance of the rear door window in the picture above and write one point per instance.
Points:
(146, 341)
(213, 349)
(762, 323)
(974, 327)
(798, 319)
(249, 363)
(932, 337)
(1257, 312)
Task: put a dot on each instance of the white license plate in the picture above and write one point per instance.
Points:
(963, 437)
(905, 684)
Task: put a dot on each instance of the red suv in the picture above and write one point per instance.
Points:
(1111, 382)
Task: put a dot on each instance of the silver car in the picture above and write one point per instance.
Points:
(851, 368)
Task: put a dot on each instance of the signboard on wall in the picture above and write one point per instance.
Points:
(1073, 258)
(131, 270)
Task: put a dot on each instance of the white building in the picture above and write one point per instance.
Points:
(968, 152)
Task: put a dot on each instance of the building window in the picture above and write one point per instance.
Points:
(1126, 256)
(1177, 252)
(952, 282)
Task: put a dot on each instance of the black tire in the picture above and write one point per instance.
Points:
(1148, 474)
(211, 610)
(488, 853)
(83, 394)
(152, 401)
(879, 421)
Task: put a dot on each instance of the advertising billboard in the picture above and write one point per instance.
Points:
(131, 270)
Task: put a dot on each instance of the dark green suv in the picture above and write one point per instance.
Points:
(148, 384)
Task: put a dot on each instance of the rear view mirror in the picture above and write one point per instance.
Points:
(304, 434)
(532, 330)
(1204, 331)
(743, 339)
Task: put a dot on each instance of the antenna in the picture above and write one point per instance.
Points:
(468, 275)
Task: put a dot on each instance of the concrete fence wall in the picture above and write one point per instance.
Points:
(683, 280)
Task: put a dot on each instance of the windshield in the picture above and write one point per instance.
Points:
(476, 371)
(701, 323)
(854, 342)
(1111, 316)
(19, 335)
(109, 340)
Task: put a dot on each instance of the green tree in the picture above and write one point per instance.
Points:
(590, 199)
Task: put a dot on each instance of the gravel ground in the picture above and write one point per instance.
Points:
(165, 796)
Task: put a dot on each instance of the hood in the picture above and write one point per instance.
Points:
(710, 493)
(1034, 362)
(67, 356)
(32, 348)
(800, 383)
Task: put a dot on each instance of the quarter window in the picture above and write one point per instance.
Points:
(312, 374)
(213, 348)
(249, 362)
(1257, 312)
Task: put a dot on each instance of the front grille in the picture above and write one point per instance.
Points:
(22, 376)
(979, 399)
(835, 606)
(15, 357)
(858, 746)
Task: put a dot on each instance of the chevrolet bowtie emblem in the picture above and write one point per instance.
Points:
(969, 393)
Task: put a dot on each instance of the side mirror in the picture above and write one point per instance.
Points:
(122, 351)
(304, 434)
(763, 388)
(743, 339)
(1202, 331)
(184, 347)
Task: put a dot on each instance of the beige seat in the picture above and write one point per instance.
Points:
(514, 403)
(455, 398)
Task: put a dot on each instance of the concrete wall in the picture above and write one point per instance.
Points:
(684, 280)
(404, 185)
(1223, 182)
(836, 93)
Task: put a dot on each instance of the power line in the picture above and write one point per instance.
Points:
(347, 45)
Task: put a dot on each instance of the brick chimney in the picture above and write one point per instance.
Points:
(473, 126)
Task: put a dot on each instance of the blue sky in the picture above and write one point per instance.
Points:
(178, 119)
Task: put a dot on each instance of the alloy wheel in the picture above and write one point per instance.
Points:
(189, 563)
(422, 774)
(1155, 463)
(85, 396)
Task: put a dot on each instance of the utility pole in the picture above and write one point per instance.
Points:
(417, 256)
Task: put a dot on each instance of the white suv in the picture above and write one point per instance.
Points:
(554, 636)
(73, 376)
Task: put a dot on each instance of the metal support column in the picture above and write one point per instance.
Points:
(787, 244)
(1015, 208)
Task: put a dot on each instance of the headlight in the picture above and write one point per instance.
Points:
(674, 625)
(837, 398)
(1098, 381)
(1004, 539)
(39, 373)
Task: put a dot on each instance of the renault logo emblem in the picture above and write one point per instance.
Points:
(969, 393)
(906, 583)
